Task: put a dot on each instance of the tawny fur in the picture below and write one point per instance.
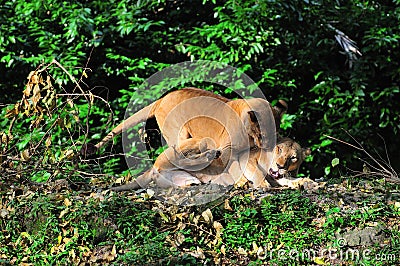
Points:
(254, 166)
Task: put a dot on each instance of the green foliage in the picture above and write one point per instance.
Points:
(73, 227)
(281, 220)
(111, 48)
(56, 233)
(287, 48)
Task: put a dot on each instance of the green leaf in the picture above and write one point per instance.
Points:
(335, 162)
(327, 170)
(359, 93)
(41, 176)
(326, 142)
(316, 76)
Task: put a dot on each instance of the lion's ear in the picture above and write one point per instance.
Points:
(279, 110)
(281, 107)
(305, 152)
(259, 122)
(253, 128)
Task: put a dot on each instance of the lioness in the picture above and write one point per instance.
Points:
(263, 167)
(193, 114)
(260, 167)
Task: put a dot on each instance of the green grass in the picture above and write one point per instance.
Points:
(66, 227)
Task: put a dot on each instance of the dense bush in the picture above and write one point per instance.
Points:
(288, 48)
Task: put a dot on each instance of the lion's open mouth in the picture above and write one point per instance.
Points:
(274, 174)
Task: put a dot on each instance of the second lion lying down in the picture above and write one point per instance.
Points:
(248, 166)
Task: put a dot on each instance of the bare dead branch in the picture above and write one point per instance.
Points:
(379, 166)
(344, 142)
(368, 154)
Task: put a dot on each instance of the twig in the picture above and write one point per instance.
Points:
(90, 174)
(389, 174)
(12, 125)
(85, 94)
(369, 155)
(69, 75)
(115, 155)
(344, 142)
(45, 134)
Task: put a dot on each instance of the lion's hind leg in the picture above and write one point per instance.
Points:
(140, 182)
(175, 178)
(191, 155)
(163, 179)
(172, 167)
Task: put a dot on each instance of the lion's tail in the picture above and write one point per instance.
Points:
(141, 182)
(140, 116)
(130, 186)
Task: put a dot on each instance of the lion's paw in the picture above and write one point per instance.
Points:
(298, 183)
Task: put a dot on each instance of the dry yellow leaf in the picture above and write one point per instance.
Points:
(24, 263)
(207, 215)
(320, 260)
(3, 137)
(227, 206)
(242, 251)
(85, 251)
(67, 202)
(91, 97)
(25, 156)
(179, 239)
(70, 102)
(218, 229)
(255, 248)
(223, 250)
(53, 250)
(150, 192)
(48, 141)
(63, 212)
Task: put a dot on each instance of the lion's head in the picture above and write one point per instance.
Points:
(288, 156)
